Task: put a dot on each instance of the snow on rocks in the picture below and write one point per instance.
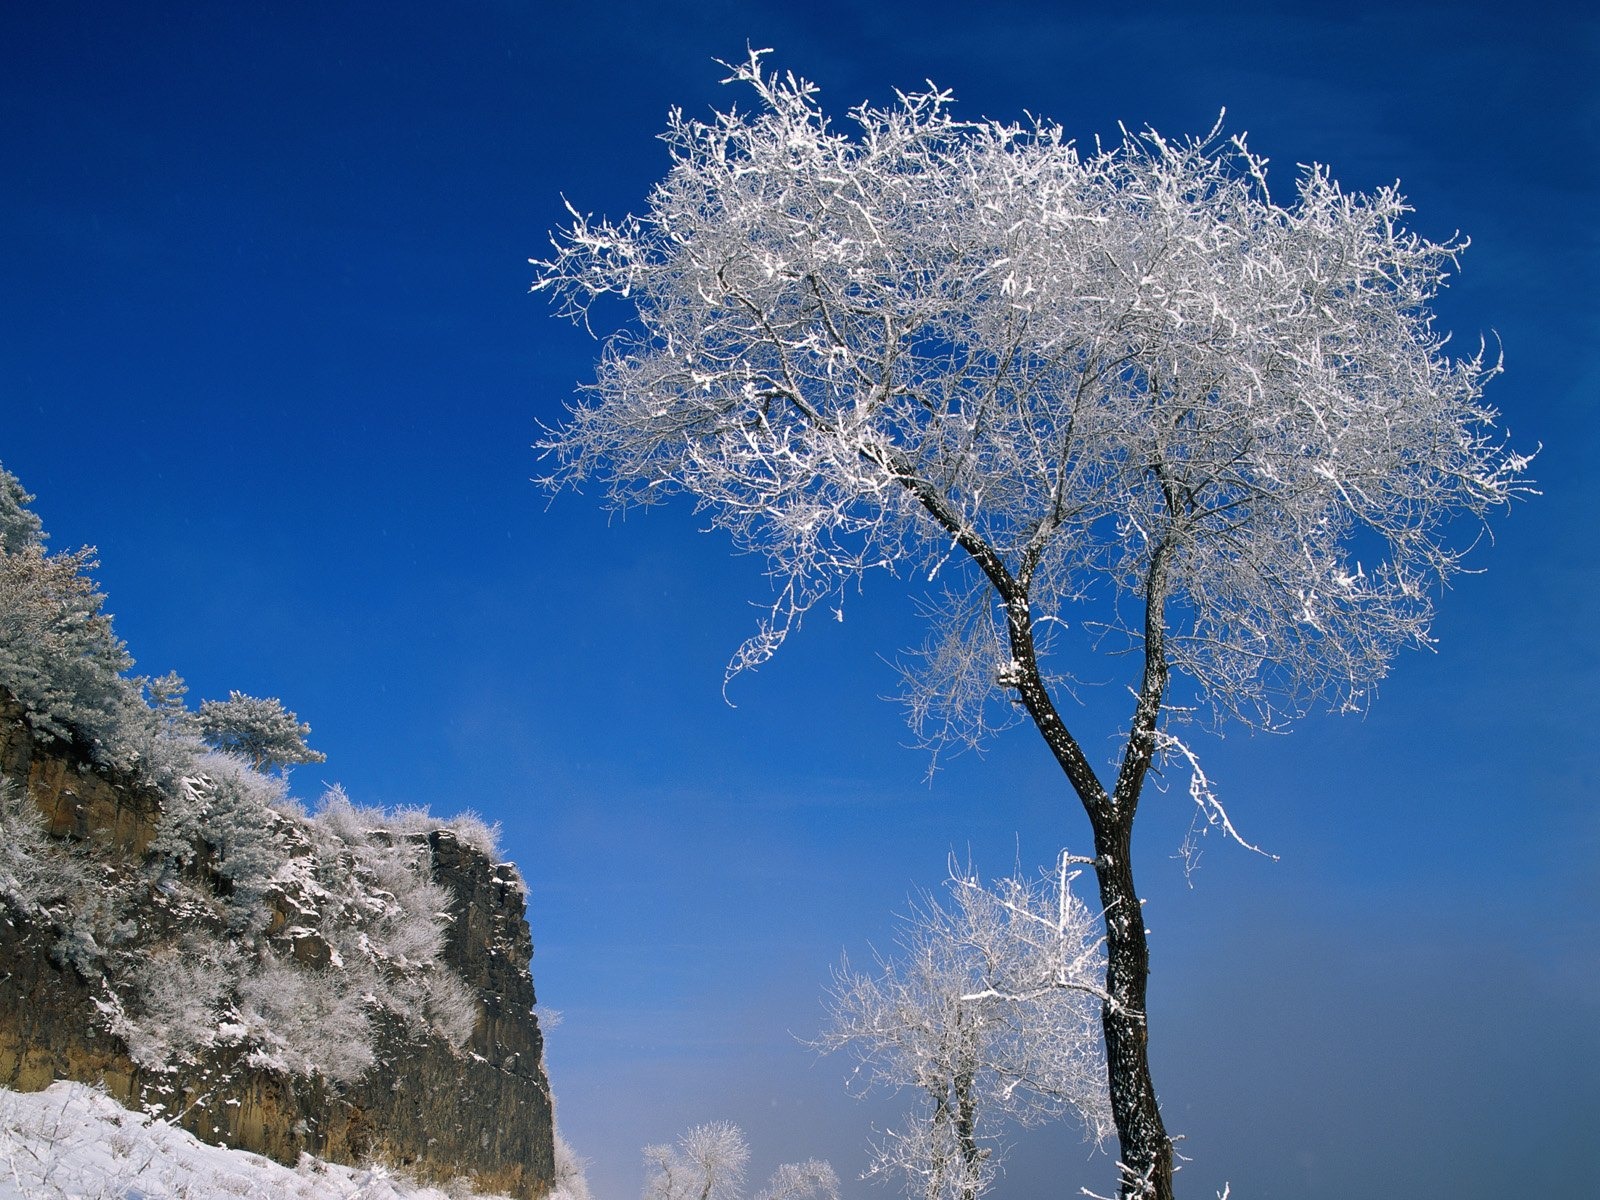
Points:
(71, 1142)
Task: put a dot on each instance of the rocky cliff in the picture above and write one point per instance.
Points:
(479, 1109)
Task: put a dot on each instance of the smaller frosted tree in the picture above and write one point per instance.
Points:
(708, 1163)
(990, 1012)
(261, 730)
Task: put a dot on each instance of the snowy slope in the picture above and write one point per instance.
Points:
(71, 1142)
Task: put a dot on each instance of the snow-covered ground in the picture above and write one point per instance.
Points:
(70, 1142)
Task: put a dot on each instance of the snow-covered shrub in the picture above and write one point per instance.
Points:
(181, 997)
(305, 1021)
(242, 829)
(433, 1002)
(469, 827)
(356, 822)
(358, 932)
(35, 872)
(93, 924)
(382, 907)
(60, 887)
(571, 1179)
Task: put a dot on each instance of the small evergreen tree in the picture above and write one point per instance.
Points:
(58, 655)
(261, 730)
(19, 525)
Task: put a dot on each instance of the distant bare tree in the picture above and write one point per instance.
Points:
(708, 1163)
(1110, 401)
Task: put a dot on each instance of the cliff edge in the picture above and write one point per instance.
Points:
(133, 969)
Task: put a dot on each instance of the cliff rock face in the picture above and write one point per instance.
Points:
(480, 1111)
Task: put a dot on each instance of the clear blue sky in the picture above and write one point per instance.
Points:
(265, 339)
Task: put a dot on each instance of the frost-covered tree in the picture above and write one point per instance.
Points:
(813, 1179)
(58, 654)
(1118, 400)
(261, 730)
(988, 1012)
(708, 1163)
(20, 526)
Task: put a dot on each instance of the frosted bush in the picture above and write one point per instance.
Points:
(241, 826)
(468, 826)
(433, 1002)
(483, 836)
(305, 1022)
(34, 871)
(571, 1180)
(410, 923)
(181, 996)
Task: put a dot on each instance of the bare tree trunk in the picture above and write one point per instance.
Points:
(1146, 1150)
(966, 1132)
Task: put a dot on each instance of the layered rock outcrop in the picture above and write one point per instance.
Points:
(481, 1110)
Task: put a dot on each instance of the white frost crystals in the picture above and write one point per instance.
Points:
(708, 1163)
(989, 1013)
(863, 350)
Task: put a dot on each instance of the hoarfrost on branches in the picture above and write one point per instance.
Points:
(708, 1163)
(260, 730)
(1113, 401)
(1098, 377)
(989, 1011)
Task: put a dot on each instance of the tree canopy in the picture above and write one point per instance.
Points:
(1094, 372)
(261, 730)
